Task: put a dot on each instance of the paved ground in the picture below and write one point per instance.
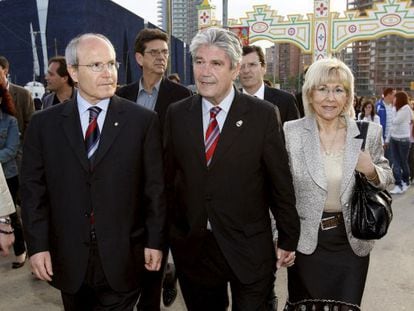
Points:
(390, 284)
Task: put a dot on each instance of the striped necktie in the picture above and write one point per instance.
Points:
(92, 133)
(212, 134)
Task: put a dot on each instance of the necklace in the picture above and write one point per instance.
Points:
(328, 151)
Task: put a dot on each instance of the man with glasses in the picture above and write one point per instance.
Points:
(154, 91)
(92, 187)
(252, 71)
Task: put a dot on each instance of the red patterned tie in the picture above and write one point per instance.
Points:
(92, 133)
(212, 134)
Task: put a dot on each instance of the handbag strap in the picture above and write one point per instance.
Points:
(363, 129)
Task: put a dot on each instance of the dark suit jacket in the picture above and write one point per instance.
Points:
(24, 106)
(284, 101)
(231, 193)
(125, 190)
(169, 93)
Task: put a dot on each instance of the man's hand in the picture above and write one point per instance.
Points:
(284, 258)
(42, 266)
(6, 240)
(152, 259)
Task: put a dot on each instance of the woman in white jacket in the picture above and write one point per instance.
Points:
(400, 142)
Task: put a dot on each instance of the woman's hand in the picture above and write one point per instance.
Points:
(365, 165)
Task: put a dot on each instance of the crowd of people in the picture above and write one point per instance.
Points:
(236, 183)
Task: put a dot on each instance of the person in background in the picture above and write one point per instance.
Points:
(399, 138)
(385, 110)
(331, 264)
(368, 112)
(9, 146)
(22, 99)
(411, 153)
(155, 92)
(6, 209)
(251, 76)
(252, 71)
(59, 83)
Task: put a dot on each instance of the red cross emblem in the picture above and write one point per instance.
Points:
(322, 9)
(204, 17)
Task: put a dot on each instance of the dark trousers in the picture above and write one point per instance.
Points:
(411, 161)
(212, 294)
(19, 246)
(150, 299)
(401, 170)
(95, 293)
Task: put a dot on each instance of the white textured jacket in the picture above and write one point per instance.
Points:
(309, 180)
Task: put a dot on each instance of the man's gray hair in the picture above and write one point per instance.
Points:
(221, 38)
(71, 51)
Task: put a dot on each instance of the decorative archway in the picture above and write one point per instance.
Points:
(323, 32)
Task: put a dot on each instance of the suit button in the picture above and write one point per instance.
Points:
(208, 197)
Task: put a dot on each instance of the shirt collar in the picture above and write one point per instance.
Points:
(142, 89)
(84, 105)
(224, 105)
(259, 93)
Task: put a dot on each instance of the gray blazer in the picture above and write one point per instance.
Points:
(309, 180)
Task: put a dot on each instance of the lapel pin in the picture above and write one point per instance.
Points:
(239, 123)
(116, 124)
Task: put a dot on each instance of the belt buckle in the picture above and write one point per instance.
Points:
(328, 227)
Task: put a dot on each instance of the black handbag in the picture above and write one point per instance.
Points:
(371, 212)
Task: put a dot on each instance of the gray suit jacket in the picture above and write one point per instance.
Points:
(309, 180)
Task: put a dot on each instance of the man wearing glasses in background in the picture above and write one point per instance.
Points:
(252, 71)
(154, 91)
(92, 187)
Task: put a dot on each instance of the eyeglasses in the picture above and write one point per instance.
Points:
(337, 92)
(250, 65)
(155, 53)
(99, 67)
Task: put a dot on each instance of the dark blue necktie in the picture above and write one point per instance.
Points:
(92, 133)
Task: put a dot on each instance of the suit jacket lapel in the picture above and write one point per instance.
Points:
(230, 130)
(73, 131)
(114, 121)
(194, 122)
(352, 148)
(312, 153)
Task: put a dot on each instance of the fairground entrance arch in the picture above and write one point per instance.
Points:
(322, 33)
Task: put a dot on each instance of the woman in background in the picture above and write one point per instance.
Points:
(9, 144)
(400, 142)
(368, 112)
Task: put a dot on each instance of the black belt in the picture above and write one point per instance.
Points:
(332, 221)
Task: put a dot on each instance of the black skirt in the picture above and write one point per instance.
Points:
(332, 278)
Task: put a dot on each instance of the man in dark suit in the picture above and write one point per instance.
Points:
(155, 92)
(252, 71)
(225, 165)
(92, 187)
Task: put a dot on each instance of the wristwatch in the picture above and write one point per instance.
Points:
(5, 220)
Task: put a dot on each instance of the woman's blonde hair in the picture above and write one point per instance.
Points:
(324, 71)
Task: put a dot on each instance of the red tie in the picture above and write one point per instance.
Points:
(212, 134)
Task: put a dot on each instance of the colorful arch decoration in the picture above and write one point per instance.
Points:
(323, 32)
